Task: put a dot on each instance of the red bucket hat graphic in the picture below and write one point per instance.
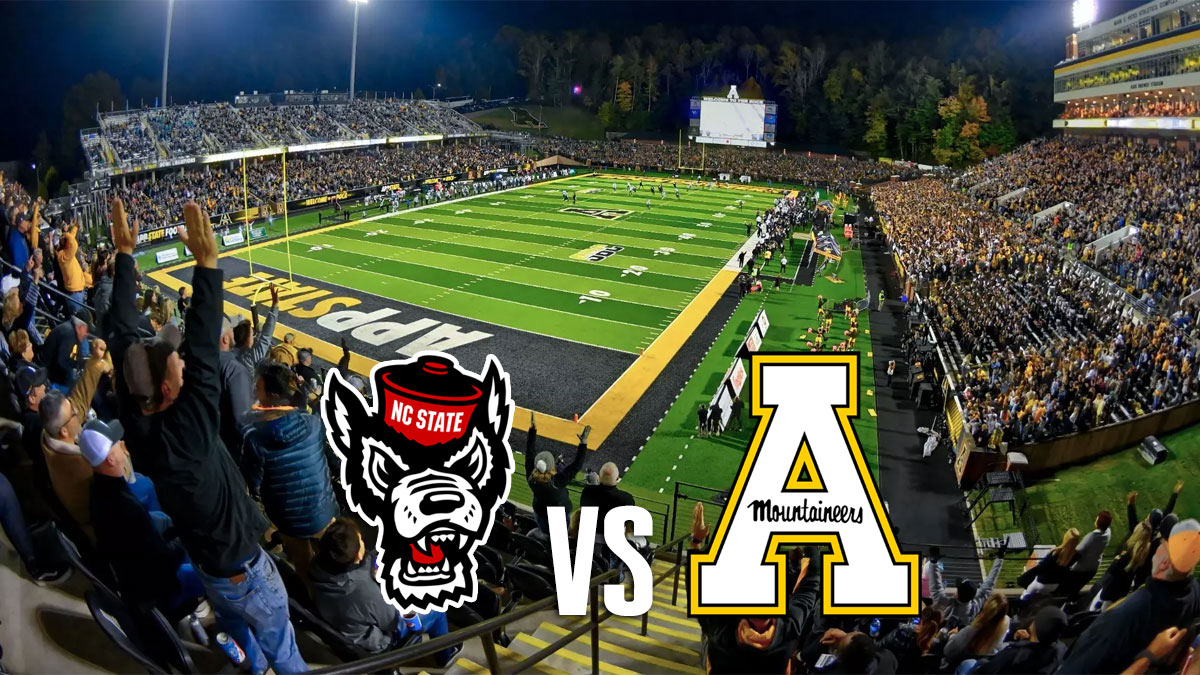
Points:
(425, 403)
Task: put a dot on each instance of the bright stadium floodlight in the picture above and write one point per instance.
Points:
(1083, 13)
(167, 51)
(354, 45)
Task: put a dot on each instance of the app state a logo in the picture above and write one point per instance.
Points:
(427, 463)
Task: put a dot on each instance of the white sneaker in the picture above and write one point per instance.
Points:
(203, 610)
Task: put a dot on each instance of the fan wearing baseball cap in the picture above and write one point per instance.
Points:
(150, 569)
(66, 348)
(1171, 597)
(169, 390)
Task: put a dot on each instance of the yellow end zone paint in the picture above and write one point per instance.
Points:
(603, 415)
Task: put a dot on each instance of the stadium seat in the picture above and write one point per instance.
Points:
(98, 572)
(525, 524)
(118, 624)
(1077, 623)
(490, 565)
(163, 642)
(500, 537)
(533, 582)
(534, 550)
(305, 617)
(485, 606)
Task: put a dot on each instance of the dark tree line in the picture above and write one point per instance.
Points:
(949, 100)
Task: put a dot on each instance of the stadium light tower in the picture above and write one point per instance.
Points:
(354, 45)
(167, 52)
(1083, 13)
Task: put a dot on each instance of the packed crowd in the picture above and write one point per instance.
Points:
(833, 172)
(1186, 105)
(178, 129)
(129, 139)
(159, 199)
(1041, 350)
(1110, 185)
(216, 475)
(1133, 619)
(228, 129)
(272, 124)
(195, 129)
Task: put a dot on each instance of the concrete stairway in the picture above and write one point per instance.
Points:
(671, 643)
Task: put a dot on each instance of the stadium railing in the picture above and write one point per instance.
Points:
(44, 309)
(660, 512)
(485, 629)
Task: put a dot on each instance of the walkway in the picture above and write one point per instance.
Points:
(922, 495)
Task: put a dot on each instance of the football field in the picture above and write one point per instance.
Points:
(583, 300)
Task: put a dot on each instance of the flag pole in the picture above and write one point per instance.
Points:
(287, 234)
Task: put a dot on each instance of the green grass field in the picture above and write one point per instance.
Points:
(567, 121)
(1071, 497)
(518, 259)
(712, 461)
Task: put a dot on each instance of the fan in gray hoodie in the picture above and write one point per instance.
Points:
(347, 595)
(960, 609)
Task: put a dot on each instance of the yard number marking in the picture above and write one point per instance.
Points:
(635, 270)
(594, 296)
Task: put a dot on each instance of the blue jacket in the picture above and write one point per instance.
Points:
(284, 461)
(18, 248)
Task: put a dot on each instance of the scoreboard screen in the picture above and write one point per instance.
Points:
(731, 121)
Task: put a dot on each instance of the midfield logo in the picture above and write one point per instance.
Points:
(597, 252)
(604, 214)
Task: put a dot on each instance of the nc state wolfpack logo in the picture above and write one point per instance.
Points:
(427, 464)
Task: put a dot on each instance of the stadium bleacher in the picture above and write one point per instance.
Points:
(195, 130)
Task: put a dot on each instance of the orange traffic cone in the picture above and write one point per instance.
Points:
(577, 418)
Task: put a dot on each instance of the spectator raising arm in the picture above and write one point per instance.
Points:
(123, 319)
(201, 392)
(262, 342)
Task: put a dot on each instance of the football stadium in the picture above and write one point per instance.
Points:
(499, 337)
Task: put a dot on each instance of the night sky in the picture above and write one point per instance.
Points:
(222, 46)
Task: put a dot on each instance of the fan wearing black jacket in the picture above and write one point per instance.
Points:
(753, 644)
(169, 392)
(549, 485)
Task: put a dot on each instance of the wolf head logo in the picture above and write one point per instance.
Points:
(427, 463)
